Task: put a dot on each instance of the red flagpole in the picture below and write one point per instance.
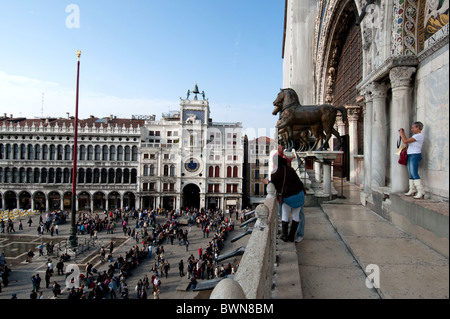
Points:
(73, 229)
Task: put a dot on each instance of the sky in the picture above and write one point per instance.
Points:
(139, 57)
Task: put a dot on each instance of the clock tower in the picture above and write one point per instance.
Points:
(194, 117)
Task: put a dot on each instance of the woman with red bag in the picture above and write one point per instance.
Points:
(414, 143)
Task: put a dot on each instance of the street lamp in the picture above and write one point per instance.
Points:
(73, 229)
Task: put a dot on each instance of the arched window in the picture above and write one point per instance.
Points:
(45, 152)
(112, 153)
(152, 170)
(67, 153)
(133, 176)
(96, 176)
(7, 176)
(29, 175)
(104, 176)
(58, 175)
(37, 152)
(134, 155)
(119, 176)
(82, 153)
(97, 152)
(23, 151)
(166, 170)
(172, 170)
(1, 175)
(89, 175)
(15, 151)
(90, 153)
(8, 151)
(111, 176)
(217, 171)
(2, 151)
(66, 176)
(105, 153)
(52, 152)
(126, 176)
(51, 175)
(229, 171)
(37, 174)
(81, 176)
(60, 152)
(15, 175)
(127, 153)
(145, 170)
(22, 175)
(211, 171)
(30, 152)
(120, 153)
(235, 171)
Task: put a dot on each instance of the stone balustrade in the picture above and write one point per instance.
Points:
(254, 277)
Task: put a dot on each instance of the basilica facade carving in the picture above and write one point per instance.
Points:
(388, 62)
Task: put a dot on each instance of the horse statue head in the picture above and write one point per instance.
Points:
(285, 99)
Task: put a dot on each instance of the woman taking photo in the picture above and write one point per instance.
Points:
(414, 144)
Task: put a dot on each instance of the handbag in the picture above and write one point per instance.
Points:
(403, 160)
(402, 152)
(280, 195)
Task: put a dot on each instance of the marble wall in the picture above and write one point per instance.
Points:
(432, 97)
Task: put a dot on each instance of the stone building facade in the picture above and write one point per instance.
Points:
(182, 160)
(36, 163)
(387, 62)
(259, 151)
(187, 160)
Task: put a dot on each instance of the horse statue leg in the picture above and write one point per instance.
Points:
(336, 133)
(291, 143)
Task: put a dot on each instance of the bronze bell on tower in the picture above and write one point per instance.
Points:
(196, 91)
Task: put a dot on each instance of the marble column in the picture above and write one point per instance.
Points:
(327, 177)
(353, 115)
(400, 118)
(367, 113)
(379, 132)
(317, 171)
(340, 124)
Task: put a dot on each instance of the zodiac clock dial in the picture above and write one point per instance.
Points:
(192, 165)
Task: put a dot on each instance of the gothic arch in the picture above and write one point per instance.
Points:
(331, 30)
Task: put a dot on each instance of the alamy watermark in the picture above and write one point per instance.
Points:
(373, 276)
(73, 279)
(73, 19)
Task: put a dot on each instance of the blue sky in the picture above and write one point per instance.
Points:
(141, 56)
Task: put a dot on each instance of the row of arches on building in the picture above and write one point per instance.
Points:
(65, 152)
(64, 175)
(40, 201)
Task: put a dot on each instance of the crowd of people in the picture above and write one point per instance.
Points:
(151, 239)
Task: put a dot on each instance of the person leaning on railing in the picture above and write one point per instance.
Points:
(288, 184)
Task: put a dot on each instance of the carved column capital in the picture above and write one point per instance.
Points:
(378, 90)
(353, 112)
(367, 94)
(401, 76)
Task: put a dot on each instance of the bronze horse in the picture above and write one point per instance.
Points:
(293, 114)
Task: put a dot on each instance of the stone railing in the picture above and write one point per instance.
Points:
(254, 277)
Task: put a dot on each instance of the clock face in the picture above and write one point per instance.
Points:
(192, 165)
